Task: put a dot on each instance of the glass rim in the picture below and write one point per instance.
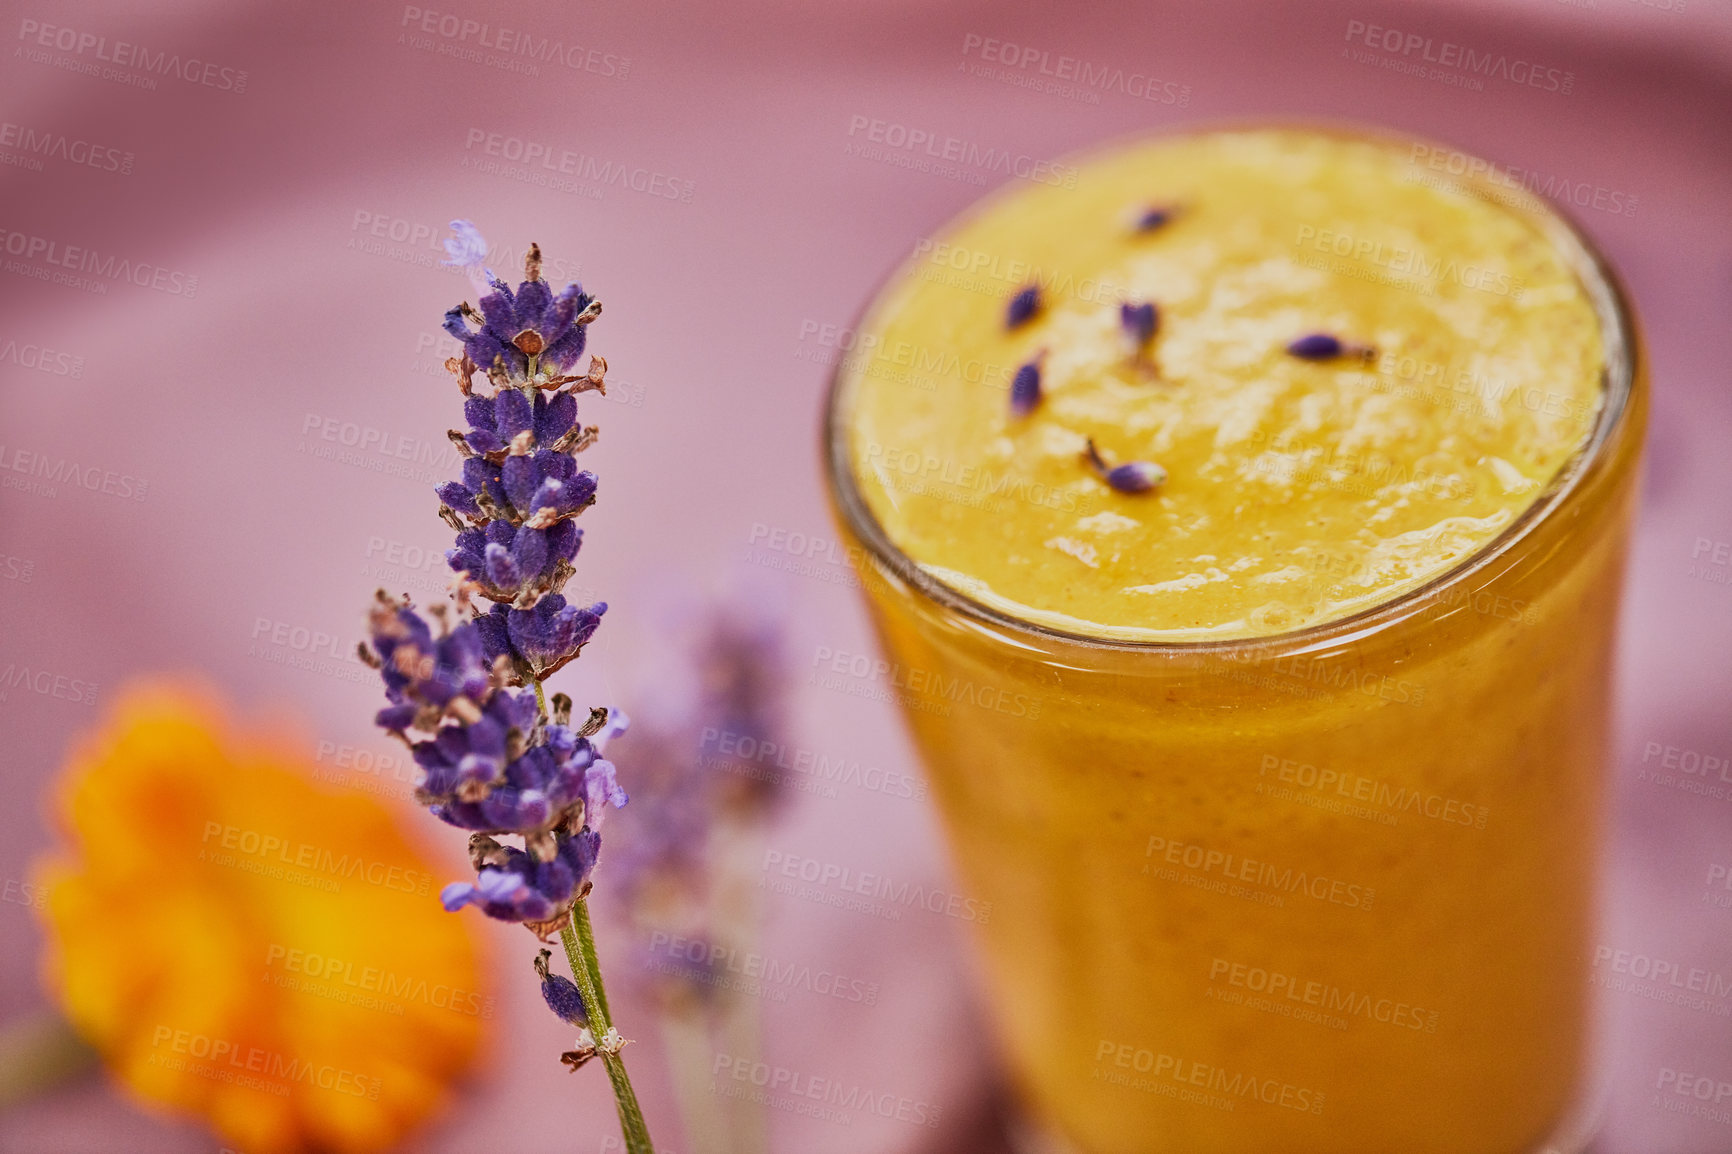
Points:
(1618, 378)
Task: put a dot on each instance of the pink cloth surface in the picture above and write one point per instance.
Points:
(744, 230)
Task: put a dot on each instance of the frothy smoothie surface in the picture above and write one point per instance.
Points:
(1299, 486)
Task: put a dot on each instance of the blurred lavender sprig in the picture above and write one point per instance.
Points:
(709, 772)
(689, 790)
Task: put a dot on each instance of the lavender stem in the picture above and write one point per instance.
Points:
(579, 942)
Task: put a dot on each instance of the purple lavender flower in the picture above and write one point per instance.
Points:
(491, 760)
(509, 562)
(515, 886)
(496, 422)
(1022, 307)
(542, 638)
(465, 247)
(695, 768)
(560, 993)
(530, 336)
(541, 791)
(427, 678)
(1138, 322)
(1155, 216)
(467, 761)
(1130, 477)
(1327, 347)
(538, 489)
(1025, 390)
(1135, 476)
(494, 761)
(708, 768)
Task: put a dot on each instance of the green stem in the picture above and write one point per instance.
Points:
(586, 941)
(686, 1038)
(736, 926)
(40, 1052)
(579, 942)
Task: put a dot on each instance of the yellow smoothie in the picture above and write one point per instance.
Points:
(1297, 491)
(1283, 775)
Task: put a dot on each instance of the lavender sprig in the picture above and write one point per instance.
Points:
(493, 761)
(1023, 307)
(1025, 386)
(711, 767)
(1138, 321)
(1130, 477)
(1327, 347)
(694, 786)
(1153, 218)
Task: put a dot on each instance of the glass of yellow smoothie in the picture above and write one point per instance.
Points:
(1244, 516)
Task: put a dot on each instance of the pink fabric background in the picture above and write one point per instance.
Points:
(711, 307)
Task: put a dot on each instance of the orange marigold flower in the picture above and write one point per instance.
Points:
(245, 946)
